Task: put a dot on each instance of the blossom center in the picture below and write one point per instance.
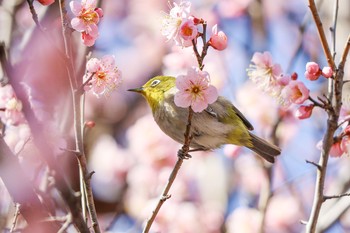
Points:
(187, 31)
(89, 16)
(195, 89)
(101, 75)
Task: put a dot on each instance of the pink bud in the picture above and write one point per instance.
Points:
(313, 71)
(344, 145)
(195, 20)
(336, 150)
(327, 72)
(304, 111)
(294, 76)
(46, 2)
(218, 40)
(90, 124)
(99, 11)
(347, 130)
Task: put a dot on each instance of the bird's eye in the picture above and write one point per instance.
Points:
(155, 83)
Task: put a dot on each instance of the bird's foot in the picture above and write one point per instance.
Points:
(182, 155)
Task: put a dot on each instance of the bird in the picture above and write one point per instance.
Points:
(219, 124)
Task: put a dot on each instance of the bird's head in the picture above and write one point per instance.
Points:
(155, 90)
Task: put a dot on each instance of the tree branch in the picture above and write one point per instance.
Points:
(321, 34)
(165, 194)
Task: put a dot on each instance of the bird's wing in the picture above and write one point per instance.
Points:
(216, 110)
(245, 121)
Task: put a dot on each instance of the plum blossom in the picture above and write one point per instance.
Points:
(218, 40)
(86, 19)
(295, 92)
(104, 74)
(172, 22)
(313, 71)
(195, 90)
(188, 30)
(265, 73)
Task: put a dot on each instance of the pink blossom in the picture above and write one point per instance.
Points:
(86, 20)
(327, 72)
(46, 2)
(265, 73)
(188, 30)
(304, 111)
(295, 92)
(173, 21)
(312, 71)
(106, 76)
(195, 90)
(219, 39)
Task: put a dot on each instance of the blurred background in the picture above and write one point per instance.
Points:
(220, 191)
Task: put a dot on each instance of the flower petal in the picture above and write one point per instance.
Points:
(78, 24)
(211, 94)
(199, 105)
(92, 65)
(182, 99)
(75, 7)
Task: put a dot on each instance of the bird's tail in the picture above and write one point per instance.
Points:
(263, 148)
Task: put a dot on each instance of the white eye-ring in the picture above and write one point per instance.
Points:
(155, 83)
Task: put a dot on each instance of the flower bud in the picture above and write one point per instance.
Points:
(327, 72)
(304, 111)
(46, 2)
(99, 11)
(336, 150)
(90, 124)
(313, 71)
(294, 76)
(218, 40)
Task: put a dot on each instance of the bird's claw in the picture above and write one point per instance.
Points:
(182, 155)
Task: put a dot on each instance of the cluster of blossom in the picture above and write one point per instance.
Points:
(10, 106)
(103, 76)
(182, 27)
(179, 25)
(87, 16)
(270, 78)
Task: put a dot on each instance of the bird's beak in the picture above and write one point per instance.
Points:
(138, 90)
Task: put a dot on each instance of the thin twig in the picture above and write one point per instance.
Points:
(321, 34)
(34, 14)
(313, 163)
(334, 27)
(325, 198)
(15, 217)
(165, 194)
(316, 103)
